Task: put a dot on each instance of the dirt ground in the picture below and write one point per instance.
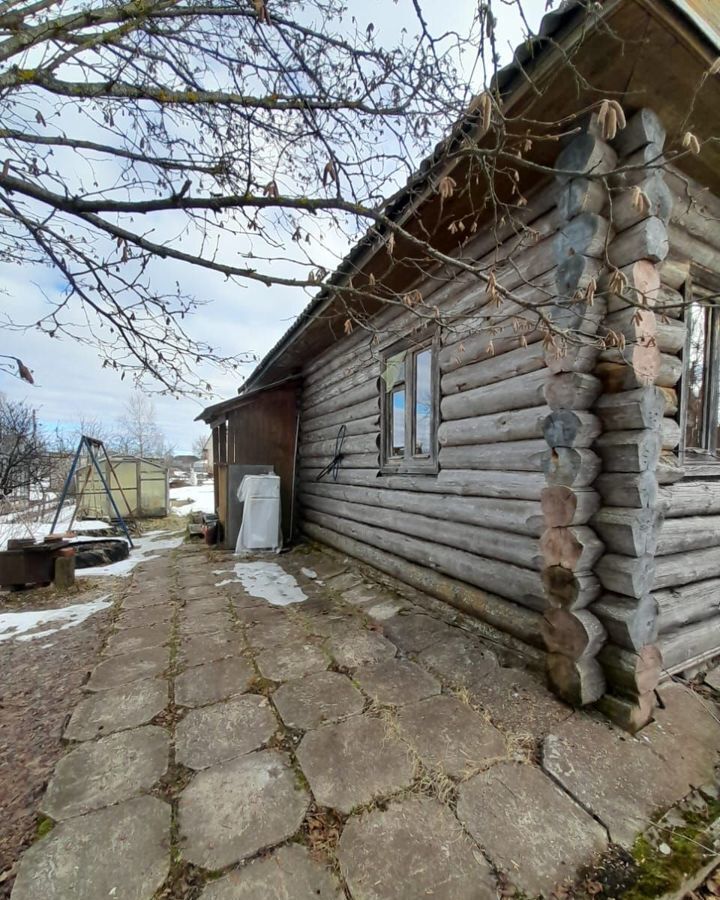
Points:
(40, 684)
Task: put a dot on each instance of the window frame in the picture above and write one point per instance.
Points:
(697, 458)
(409, 464)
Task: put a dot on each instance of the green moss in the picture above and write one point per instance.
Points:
(44, 826)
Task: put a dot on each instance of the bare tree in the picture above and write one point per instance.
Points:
(24, 460)
(139, 432)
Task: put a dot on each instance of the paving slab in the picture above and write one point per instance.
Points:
(278, 631)
(127, 667)
(256, 612)
(117, 709)
(292, 660)
(198, 608)
(330, 623)
(238, 808)
(156, 635)
(212, 734)
(205, 624)
(354, 762)
(528, 826)
(148, 615)
(413, 849)
(396, 682)
(290, 873)
(360, 649)
(450, 736)
(362, 593)
(121, 852)
(309, 702)
(140, 598)
(202, 592)
(417, 631)
(343, 582)
(712, 678)
(202, 648)
(616, 777)
(385, 609)
(213, 681)
(459, 659)
(103, 772)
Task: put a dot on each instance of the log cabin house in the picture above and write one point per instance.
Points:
(569, 499)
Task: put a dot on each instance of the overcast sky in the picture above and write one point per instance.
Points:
(71, 384)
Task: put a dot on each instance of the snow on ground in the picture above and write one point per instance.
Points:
(266, 580)
(146, 547)
(14, 525)
(26, 626)
(202, 497)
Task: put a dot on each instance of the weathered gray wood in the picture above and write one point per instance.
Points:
(581, 195)
(635, 168)
(642, 283)
(680, 648)
(689, 533)
(687, 246)
(669, 302)
(365, 426)
(686, 567)
(629, 576)
(585, 155)
(629, 451)
(509, 624)
(631, 532)
(647, 239)
(696, 209)
(335, 401)
(688, 603)
(570, 466)
(523, 586)
(506, 485)
(587, 235)
(577, 635)
(576, 548)
(671, 336)
(675, 270)
(358, 371)
(570, 590)
(577, 682)
(635, 324)
(497, 545)
(571, 428)
(637, 365)
(312, 422)
(519, 516)
(691, 498)
(571, 357)
(670, 370)
(364, 443)
(669, 470)
(370, 460)
(629, 713)
(630, 623)
(628, 490)
(493, 369)
(522, 392)
(563, 506)
(631, 410)
(571, 390)
(670, 431)
(671, 400)
(518, 425)
(642, 129)
(629, 208)
(632, 673)
(522, 456)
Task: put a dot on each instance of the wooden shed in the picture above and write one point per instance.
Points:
(139, 488)
(567, 496)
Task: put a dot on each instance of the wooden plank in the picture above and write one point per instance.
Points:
(688, 603)
(691, 498)
(524, 456)
(686, 567)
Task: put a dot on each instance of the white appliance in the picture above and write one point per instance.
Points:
(260, 526)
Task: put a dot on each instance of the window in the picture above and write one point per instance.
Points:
(701, 388)
(410, 402)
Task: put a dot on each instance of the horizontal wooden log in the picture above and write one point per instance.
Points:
(669, 303)
(364, 443)
(631, 714)
(369, 460)
(691, 498)
(636, 325)
(669, 469)
(506, 485)
(577, 682)
(570, 428)
(571, 357)
(523, 456)
(577, 635)
(366, 390)
(522, 586)
(509, 624)
(562, 506)
(570, 590)
(669, 433)
(628, 490)
(576, 548)
(630, 532)
(368, 425)
(688, 603)
(356, 372)
(687, 646)
(674, 271)
(519, 516)
(631, 623)
(696, 209)
(671, 335)
(494, 369)
(636, 167)
(631, 410)
(670, 395)
(651, 197)
(629, 451)
(686, 567)
(636, 366)
(571, 467)
(362, 410)
(517, 425)
(629, 576)
(698, 249)
(585, 155)
(631, 673)
(571, 390)
(646, 240)
(643, 128)
(499, 545)
(521, 392)
(635, 285)
(581, 195)
(586, 235)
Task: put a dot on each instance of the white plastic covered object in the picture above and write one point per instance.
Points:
(260, 527)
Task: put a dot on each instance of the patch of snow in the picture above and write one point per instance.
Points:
(21, 626)
(146, 548)
(201, 495)
(13, 525)
(269, 581)
(309, 573)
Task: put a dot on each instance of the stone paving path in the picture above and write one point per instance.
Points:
(357, 745)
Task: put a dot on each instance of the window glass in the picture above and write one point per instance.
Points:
(423, 402)
(696, 375)
(397, 422)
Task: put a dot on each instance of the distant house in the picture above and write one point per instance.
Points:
(570, 500)
(185, 460)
